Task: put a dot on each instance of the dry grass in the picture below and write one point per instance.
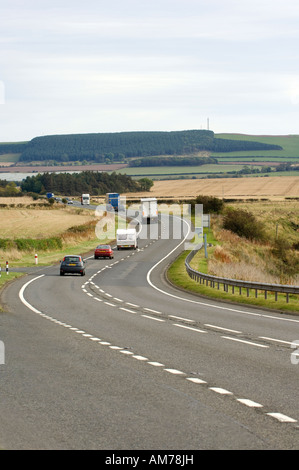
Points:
(274, 188)
(40, 223)
(24, 200)
(239, 258)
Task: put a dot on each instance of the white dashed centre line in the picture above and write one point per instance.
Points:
(189, 328)
(153, 318)
(245, 342)
(180, 318)
(282, 418)
(250, 403)
(221, 328)
(221, 391)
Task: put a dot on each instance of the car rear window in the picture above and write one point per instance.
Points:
(72, 259)
(103, 247)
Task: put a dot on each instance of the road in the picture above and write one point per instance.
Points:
(119, 359)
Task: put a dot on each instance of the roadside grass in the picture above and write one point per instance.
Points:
(5, 278)
(224, 247)
(78, 239)
(46, 258)
(178, 276)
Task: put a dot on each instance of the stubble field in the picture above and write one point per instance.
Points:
(273, 188)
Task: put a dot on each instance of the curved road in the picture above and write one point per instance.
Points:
(119, 359)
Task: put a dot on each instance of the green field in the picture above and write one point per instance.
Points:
(10, 157)
(289, 153)
(289, 144)
(179, 170)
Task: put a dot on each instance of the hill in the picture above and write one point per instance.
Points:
(109, 147)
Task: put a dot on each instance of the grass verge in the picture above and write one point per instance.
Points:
(178, 276)
(4, 279)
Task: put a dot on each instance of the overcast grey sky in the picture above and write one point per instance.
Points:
(70, 66)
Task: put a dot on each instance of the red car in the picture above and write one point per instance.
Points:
(103, 251)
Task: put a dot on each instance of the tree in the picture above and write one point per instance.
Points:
(145, 184)
(210, 204)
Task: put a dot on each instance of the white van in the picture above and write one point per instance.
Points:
(126, 238)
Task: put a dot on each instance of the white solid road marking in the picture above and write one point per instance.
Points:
(21, 294)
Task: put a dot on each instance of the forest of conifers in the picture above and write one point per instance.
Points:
(94, 183)
(122, 145)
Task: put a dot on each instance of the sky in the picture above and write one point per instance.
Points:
(69, 66)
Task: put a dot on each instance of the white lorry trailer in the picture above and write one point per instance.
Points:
(149, 210)
(126, 238)
(85, 199)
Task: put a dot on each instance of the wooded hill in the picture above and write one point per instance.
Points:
(122, 145)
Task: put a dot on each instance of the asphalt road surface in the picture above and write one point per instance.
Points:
(121, 360)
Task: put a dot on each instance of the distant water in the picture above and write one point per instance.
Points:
(21, 176)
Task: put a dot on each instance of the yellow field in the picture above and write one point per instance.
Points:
(40, 223)
(24, 200)
(275, 188)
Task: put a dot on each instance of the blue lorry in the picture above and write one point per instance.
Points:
(112, 201)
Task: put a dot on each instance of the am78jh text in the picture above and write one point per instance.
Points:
(153, 459)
